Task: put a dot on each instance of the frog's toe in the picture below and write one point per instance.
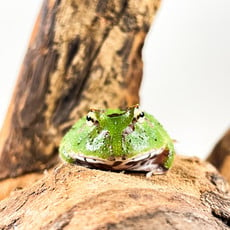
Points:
(157, 171)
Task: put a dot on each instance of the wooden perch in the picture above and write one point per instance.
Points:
(192, 195)
(220, 156)
(82, 54)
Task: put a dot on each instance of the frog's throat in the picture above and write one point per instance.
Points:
(118, 138)
(152, 161)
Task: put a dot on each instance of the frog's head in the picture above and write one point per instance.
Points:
(114, 120)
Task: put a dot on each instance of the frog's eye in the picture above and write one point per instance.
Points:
(139, 115)
(91, 119)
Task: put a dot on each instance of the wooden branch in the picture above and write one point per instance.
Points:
(82, 54)
(192, 195)
(220, 156)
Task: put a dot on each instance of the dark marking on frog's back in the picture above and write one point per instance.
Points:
(115, 114)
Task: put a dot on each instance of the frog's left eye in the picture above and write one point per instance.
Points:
(91, 119)
(139, 115)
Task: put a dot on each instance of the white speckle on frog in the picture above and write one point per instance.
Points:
(96, 143)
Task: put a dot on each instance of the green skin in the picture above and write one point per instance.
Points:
(116, 134)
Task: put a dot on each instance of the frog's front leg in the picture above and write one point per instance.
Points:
(159, 163)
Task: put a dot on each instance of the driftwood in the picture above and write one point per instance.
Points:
(82, 54)
(192, 195)
(220, 156)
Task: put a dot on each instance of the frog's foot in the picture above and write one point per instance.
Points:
(158, 171)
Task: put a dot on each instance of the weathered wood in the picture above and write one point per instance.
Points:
(220, 156)
(12, 184)
(192, 195)
(82, 54)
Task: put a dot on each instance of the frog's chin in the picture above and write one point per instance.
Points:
(151, 161)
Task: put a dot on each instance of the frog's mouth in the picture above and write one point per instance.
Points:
(152, 161)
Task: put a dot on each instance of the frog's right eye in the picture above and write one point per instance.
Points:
(139, 115)
(91, 119)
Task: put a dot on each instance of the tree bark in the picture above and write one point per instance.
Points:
(82, 54)
(220, 156)
(192, 195)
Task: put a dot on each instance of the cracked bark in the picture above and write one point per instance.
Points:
(192, 195)
(220, 156)
(82, 54)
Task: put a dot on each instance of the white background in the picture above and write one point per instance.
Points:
(187, 67)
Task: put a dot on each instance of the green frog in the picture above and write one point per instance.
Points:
(119, 140)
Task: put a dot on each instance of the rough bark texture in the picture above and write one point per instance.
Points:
(192, 195)
(12, 184)
(220, 156)
(82, 54)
